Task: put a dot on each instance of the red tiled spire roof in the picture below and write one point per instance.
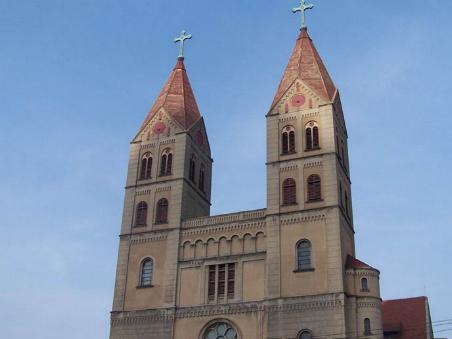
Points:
(177, 99)
(305, 64)
(407, 318)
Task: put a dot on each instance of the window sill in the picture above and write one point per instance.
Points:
(291, 204)
(143, 287)
(312, 149)
(310, 269)
(314, 201)
(365, 290)
(144, 179)
(161, 223)
(165, 175)
(288, 153)
(140, 226)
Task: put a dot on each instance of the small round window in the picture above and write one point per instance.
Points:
(220, 331)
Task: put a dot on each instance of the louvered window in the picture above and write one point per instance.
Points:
(141, 214)
(166, 163)
(147, 270)
(314, 188)
(221, 282)
(192, 170)
(161, 216)
(304, 255)
(312, 136)
(202, 176)
(212, 282)
(288, 140)
(146, 167)
(289, 192)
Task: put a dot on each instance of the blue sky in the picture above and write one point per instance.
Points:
(78, 77)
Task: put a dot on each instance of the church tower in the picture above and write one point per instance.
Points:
(287, 271)
(169, 180)
(309, 211)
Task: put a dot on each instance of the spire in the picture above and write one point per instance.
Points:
(305, 64)
(177, 97)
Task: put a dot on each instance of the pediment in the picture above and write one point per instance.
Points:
(298, 97)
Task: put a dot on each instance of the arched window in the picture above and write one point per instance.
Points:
(367, 329)
(146, 272)
(305, 334)
(304, 255)
(166, 162)
(202, 176)
(364, 285)
(192, 169)
(220, 330)
(314, 188)
(141, 214)
(146, 166)
(288, 140)
(312, 136)
(289, 192)
(161, 216)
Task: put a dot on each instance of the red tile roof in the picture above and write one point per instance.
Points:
(305, 64)
(355, 263)
(406, 317)
(177, 99)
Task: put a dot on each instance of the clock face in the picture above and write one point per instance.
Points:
(159, 128)
(298, 100)
(199, 138)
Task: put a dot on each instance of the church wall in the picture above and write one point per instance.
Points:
(253, 280)
(143, 298)
(250, 325)
(323, 315)
(309, 282)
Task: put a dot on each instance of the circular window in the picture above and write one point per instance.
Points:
(220, 331)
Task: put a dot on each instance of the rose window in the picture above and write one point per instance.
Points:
(221, 331)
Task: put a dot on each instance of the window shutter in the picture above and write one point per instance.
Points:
(141, 214)
(285, 143)
(169, 165)
(289, 192)
(231, 281)
(291, 141)
(143, 168)
(149, 168)
(308, 138)
(163, 165)
(314, 188)
(315, 135)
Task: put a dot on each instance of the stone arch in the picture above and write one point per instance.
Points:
(212, 248)
(188, 250)
(236, 245)
(200, 251)
(223, 246)
(249, 243)
(260, 242)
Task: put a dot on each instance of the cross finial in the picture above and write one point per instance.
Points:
(303, 8)
(183, 36)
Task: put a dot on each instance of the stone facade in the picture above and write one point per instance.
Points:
(245, 271)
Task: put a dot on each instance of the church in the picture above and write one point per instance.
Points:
(287, 271)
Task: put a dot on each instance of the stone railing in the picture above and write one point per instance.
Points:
(224, 218)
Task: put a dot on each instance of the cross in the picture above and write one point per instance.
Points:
(183, 36)
(303, 8)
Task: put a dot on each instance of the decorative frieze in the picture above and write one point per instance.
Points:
(140, 239)
(312, 164)
(299, 218)
(289, 168)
